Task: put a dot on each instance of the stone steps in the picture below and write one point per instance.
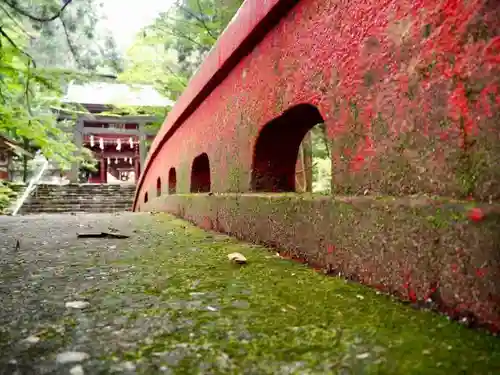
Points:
(75, 208)
(61, 203)
(80, 198)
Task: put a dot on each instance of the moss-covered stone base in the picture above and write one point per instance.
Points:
(421, 249)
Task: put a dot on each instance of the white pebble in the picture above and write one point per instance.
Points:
(69, 357)
(128, 366)
(363, 355)
(77, 370)
(77, 304)
(32, 339)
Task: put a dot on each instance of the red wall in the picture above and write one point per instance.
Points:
(409, 92)
(328, 53)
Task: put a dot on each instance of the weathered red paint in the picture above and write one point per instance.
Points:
(313, 49)
(409, 91)
(476, 214)
(249, 23)
(331, 249)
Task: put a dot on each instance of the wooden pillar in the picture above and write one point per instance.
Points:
(5, 161)
(308, 161)
(103, 170)
(78, 139)
(137, 168)
(303, 166)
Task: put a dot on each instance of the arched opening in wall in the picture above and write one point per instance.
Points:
(146, 197)
(158, 187)
(288, 151)
(172, 181)
(200, 174)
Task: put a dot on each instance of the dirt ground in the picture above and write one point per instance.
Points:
(167, 300)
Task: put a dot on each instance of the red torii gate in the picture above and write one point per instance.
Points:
(409, 93)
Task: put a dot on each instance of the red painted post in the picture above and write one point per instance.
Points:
(103, 170)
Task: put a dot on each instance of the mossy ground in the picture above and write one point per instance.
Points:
(171, 292)
(274, 313)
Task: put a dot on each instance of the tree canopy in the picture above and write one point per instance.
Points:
(167, 53)
(42, 48)
(49, 43)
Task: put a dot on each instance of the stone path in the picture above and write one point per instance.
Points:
(168, 301)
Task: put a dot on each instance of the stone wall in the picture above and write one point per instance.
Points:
(409, 93)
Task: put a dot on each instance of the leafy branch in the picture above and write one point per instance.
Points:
(30, 85)
(37, 18)
(71, 47)
(31, 62)
(13, 44)
(173, 32)
(16, 22)
(200, 20)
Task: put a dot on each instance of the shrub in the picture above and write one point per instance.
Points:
(7, 195)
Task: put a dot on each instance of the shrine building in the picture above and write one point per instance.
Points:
(119, 143)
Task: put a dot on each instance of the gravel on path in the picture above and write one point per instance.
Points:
(166, 300)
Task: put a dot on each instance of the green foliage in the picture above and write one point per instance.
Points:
(39, 48)
(7, 195)
(159, 112)
(168, 52)
(75, 40)
(148, 62)
(322, 162)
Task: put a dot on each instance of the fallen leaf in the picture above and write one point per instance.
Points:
(237, 258)
(77, 304)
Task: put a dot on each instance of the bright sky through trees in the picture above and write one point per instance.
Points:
(126, 18)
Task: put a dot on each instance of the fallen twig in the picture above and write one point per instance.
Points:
(101, 235)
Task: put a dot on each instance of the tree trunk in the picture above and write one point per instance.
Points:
(308, 161)
(325, 138)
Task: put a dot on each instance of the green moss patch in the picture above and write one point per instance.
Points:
(274, 316)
